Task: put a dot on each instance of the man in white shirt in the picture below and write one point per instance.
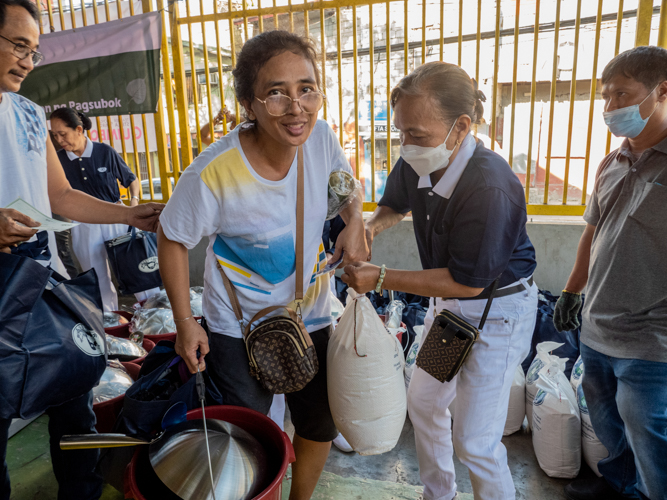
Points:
(30, 169)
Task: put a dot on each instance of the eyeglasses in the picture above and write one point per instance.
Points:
(22, 51)
(279, 104)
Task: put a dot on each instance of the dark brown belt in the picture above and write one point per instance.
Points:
(499, 293)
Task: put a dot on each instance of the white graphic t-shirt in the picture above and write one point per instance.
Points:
(251, 226)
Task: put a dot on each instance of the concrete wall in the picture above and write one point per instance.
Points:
(555, 241)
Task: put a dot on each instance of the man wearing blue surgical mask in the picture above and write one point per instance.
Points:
(621, 262)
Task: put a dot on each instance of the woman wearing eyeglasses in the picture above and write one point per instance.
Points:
(241, 193)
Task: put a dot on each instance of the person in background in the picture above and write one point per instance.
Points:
(223, 114)
(621, 263)
(469, 215)
(96, 169)
(29, 169)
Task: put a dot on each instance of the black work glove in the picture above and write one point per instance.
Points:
(566, 311)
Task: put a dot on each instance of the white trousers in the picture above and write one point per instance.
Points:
(88, 245)
(482, 390)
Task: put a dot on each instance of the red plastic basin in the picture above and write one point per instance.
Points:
(276, 443)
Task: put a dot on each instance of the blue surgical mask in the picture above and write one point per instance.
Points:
(628, 121)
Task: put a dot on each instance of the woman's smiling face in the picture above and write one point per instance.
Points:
(292, 75)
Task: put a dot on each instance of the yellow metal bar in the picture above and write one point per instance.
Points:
(221, 82)
(324, 58)
(162, 148)
(573, 96)
(591, 109)
(233, 51)
(181, 98)
(279, 9)
(50, 11)
(61, 15)
(533, 91)
(340, 78)
(194, 80)
(159, 118)
(371, 48)
(306, 22)
(423, 31)
(73, 16)
(355, 60)
(514, 73)
(291, 17)
(461, 30)
(208, 76)
(442, 29)
(260, 19)
(406, 30)
(96, 15)
(479, 40)
(496, 65)
(244, 6)
(388, 47)
(662, 29)
(370, 206)
(552, 104)
(39, 10)
(169, 97)
(619, 25)
(83, 12)
(135, 155)
(644, 17)
(571, 210)
(120, 9)
(275, 17)
(149, 168)
(106, 10)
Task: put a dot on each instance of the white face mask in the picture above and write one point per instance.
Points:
(426, 160)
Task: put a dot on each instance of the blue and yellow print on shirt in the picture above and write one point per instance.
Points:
(260, 256)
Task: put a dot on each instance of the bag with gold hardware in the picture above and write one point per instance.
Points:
(449, 342)
(281, 352)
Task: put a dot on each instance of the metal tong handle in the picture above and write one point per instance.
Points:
(201, 392)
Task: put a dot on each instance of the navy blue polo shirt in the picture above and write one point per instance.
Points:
(479, 231)
(97, 171)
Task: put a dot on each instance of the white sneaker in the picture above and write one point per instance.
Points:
(342, 444)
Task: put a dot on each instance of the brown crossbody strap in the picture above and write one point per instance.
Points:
(298, 294)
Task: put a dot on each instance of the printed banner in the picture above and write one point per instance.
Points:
(106, 69)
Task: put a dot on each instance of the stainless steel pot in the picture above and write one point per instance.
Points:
(239, 462)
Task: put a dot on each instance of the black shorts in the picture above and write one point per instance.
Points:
(229, 368)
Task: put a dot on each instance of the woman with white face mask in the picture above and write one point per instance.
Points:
(469, 218)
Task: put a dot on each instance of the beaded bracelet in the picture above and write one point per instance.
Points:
(383, 271)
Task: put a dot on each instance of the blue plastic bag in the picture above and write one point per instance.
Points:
(52, 343)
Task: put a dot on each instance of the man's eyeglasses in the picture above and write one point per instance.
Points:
(279, 104)
(22, 51)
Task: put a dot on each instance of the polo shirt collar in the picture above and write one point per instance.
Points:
(624, 150)
(87, 152)
(446, 185)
